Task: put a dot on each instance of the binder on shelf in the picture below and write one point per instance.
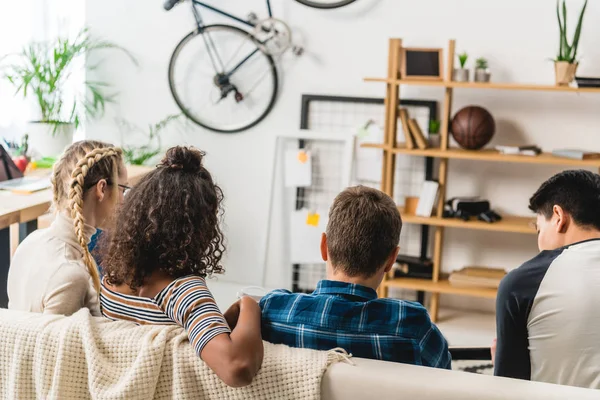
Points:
(410, 144)
(429, 193)
(417, 134)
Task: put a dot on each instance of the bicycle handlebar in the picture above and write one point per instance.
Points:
(170, 4)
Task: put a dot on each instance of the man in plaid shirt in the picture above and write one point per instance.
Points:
(359, 247)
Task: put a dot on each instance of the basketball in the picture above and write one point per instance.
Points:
(473, 127)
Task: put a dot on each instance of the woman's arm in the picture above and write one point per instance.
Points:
(234, 356)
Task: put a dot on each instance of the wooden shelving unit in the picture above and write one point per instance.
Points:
(488, 155)
(487, 86)
(509, 224)
(441, 286)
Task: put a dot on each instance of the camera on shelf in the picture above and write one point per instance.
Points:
(466, 208)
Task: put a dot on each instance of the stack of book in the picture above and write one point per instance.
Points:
(477, 277)
(576, 154)
(529, 150)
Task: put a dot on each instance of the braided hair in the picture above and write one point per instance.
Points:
(81, 166)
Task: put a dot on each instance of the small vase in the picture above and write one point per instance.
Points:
(434, 140)
(482, 75)
(565, 72)
(44, 143)
(460, 75)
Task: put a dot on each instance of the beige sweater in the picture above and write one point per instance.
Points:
(47, 273)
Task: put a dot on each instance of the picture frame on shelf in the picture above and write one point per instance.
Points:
(422, 64)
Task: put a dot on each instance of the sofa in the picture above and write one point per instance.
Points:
(80, 357)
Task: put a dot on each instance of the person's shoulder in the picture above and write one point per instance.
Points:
(526, 279)
(277, 295)
(411, 318)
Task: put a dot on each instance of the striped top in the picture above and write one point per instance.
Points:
(186, 302)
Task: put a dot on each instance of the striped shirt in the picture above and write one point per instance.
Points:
(350, 316)
(186, 302)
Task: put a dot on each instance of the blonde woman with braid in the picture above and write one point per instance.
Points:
(52, 271)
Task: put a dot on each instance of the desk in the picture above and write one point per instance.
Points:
(25, 210)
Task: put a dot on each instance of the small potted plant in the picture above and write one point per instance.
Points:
(565, 64)
(482, 73)
(434, 133)
(43, 72)
(461, 74)
(144, 154)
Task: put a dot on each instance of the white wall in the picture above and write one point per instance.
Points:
(20, 23)
(518, 37)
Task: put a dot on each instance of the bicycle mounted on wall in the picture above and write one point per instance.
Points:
(223, 77)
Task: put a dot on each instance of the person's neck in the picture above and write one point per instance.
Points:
(580, 235)
(373, 282)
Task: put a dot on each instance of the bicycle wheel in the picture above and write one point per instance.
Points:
(222, 80)
(325, 4)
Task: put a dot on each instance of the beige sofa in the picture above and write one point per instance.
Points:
(57, 357)
(369, 379)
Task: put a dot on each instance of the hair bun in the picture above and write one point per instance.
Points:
(183, 158)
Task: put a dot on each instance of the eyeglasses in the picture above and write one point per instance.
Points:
(125, 188)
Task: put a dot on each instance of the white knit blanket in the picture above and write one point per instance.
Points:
(83, 357)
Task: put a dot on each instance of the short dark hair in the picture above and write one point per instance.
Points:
(168, 222)
(364, 227)
(577, 192)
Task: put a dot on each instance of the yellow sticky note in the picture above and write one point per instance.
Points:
(312, 219)
(302, 156)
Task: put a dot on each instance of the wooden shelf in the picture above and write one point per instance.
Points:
(442, 286)
(493, 85)
(488, 155)
(509, 223)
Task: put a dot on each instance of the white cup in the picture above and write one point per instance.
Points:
(255, 292)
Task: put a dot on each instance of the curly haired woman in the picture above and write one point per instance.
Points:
(166, 241)
(52, 270)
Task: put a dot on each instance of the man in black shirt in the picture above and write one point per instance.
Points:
(548, 310)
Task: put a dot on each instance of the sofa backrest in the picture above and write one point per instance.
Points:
(370, 379)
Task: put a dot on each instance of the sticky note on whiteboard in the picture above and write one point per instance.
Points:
(297, 168)
(312, 219)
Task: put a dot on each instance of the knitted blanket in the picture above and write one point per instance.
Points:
(84, 357)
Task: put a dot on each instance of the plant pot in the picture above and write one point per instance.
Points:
(482, 75)
(434, 140)
(565, 72)
(460, 75)
(44, 143)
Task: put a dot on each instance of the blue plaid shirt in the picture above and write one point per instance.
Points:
(350, 316)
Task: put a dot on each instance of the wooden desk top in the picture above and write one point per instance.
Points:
(18, 208)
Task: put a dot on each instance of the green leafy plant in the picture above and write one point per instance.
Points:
(42, 69)
(434, 126)
(462, 58)
(568, 52)
(142, 154)
(481, 63)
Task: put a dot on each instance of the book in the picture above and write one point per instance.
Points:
(576, 154)
(477, 276)
(417, 134)
(429, 193)
(26, 185)
(406, 129)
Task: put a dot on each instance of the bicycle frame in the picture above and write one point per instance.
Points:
(200, 23)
